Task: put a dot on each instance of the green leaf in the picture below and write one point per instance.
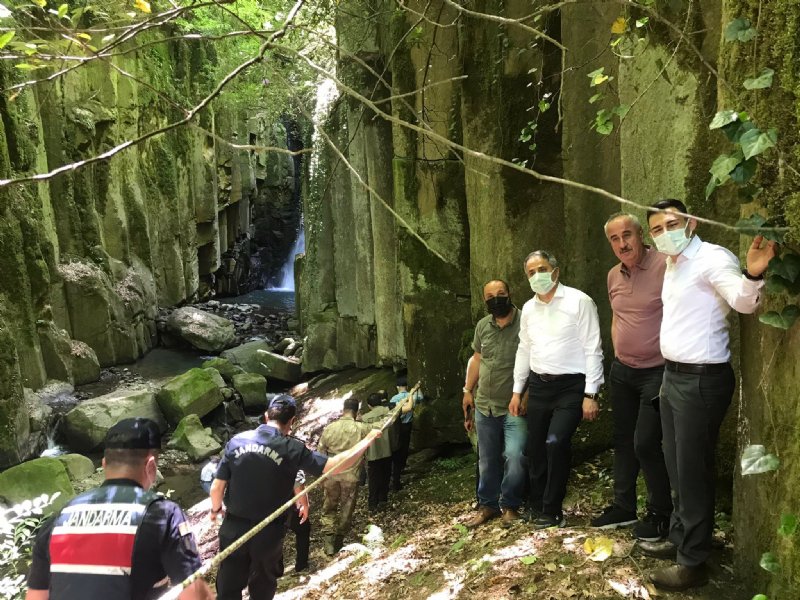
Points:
(722, 118)
(711, 186)
(597, 77)
(595, 98)
(788, 525)
(787, 266)
(759, 597)
(544, 105)
(777, 285)
(769, 563)
(744, 171)
(755, 141)
(528, 560)
(764, 80)
(749, 192)
(755, 460)
(62, 11)
(740, 30)
(734, 131)
(783, 320)
(6, 37)
(642, 22)
(723, 165)
(604, 128)
(621, 110)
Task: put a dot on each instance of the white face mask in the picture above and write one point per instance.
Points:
(541, 283)
(672, 242)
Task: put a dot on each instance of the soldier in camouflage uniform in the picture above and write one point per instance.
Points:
(341, 490)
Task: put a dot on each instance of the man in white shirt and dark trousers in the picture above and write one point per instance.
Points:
(701, 284)
(559, 353)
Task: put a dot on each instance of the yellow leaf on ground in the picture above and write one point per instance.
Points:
(620, 25)
(142, 5)
(598, 549)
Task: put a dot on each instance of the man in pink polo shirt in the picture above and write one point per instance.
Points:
(634, 288)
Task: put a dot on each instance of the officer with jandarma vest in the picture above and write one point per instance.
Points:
(119, 540)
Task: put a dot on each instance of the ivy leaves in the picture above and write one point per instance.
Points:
(749, 142)
(740, 30)
(762, 81)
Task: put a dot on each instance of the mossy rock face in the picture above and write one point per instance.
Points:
(194, 392)
(86, 425)
(215, 375)
(78, 466)
(257, 357)
(253, 388)
(34, 478)
(85, 366)
(225, 367)
(194, 439)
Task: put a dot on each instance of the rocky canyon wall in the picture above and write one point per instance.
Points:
(88, 256)
(375, 294)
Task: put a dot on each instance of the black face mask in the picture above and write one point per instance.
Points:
(499, 306)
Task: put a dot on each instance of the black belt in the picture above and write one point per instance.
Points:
(547, 378)
(707, 369)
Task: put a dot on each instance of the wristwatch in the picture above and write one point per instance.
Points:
(747, 274)
(591, 396)
(466, 390)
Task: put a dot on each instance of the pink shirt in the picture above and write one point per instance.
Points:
(636, 303)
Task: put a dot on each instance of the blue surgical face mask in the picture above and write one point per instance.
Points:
(672, 242)
(541, 283)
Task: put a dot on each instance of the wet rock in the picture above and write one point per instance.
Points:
(85, 426)
(253, 388)
(293, 324)
(282, 345)
(194, 439)
(203, 330)
(34, 478)
(227, 393)
(39, 413)
(193, 392)
(225, 367)
(291, 348)
(234, 412)
(78, 466)
(85, 366)
(298, 352)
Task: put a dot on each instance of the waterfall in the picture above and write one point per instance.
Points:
(285, 280)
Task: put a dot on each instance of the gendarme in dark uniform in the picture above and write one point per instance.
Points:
(257, 475)
(118, 540)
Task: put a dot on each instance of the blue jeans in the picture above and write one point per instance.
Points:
(502, 462)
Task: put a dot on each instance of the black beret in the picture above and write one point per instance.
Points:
(134, 434)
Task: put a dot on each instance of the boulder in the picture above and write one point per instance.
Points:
(194, 392)
(194, 439)
(39, 413)
(85, 366)
(256, 357)
(78, 466)
(216, 377)
(34, 478)
(253, 389)
(203, 330)
(225, 367)
(85, 426)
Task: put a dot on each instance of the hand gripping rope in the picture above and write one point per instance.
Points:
(173, 593)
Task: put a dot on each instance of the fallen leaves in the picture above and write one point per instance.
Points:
(599, 549)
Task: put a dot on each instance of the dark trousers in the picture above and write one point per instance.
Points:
(302, 535)
(555, 408)
(257, 564)
(400, 456)
(637, 438)
(379, 474)
(692, 410)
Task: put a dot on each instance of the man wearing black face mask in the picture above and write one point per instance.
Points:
(501, 436)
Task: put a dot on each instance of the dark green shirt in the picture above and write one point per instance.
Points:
(498, 349)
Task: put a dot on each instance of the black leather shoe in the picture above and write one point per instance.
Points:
(679, 577)
(666, 550)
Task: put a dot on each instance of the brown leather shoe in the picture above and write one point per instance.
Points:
(666, 550)
(509, 516)
(679, 577)
(485, 513)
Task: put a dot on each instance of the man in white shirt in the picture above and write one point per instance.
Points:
(559, 353)
(701, 284)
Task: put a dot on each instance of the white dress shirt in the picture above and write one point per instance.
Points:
(701, 285)
(559, 338)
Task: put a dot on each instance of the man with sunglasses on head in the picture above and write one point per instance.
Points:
(702, 283)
